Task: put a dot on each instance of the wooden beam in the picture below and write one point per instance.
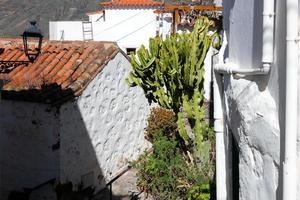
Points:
(176, 20)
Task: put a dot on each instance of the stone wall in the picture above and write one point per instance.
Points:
(103, 129)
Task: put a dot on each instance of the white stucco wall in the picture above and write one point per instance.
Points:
(130, 28)
(66, 30)
(218, 2)
(27, 133)
(208, 74)
(103, 129)
(96, 135)
(254, 105)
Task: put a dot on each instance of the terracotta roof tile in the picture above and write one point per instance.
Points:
(81, 68)
(95, 12)
(11, 55)
(61, 72)
(15, 71)
(131, 3)
(17, 55)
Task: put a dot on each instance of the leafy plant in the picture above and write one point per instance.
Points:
(165, 174)
(199, 192)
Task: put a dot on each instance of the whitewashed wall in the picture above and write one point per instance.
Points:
(208, 61)
(103, 129)
(130, 28)
(27, 133)
(254, 106)
(218, 2)
(66, 30)
(99, 132)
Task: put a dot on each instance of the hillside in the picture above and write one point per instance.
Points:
(15, 14)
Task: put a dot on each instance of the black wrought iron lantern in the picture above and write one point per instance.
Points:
(32, 39)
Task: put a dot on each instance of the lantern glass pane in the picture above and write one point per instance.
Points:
(33, 44)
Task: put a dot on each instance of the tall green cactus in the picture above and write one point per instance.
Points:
(171, 73)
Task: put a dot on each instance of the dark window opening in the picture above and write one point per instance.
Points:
(129, 50)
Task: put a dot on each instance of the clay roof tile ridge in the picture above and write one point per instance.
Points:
(66, 67)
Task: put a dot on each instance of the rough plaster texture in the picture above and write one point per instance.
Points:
(254, 106)
(252, 117)
(27, 133)
(103, 129)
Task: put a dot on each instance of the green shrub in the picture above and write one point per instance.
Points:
(199, 192)
(165, 174)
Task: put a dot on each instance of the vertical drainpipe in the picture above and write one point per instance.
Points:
(221, 169)
(268, 33)
(290, 156)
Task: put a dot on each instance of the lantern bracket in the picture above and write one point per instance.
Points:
(31, 32)
(7, 66)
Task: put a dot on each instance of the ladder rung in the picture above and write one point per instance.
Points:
(87, 29)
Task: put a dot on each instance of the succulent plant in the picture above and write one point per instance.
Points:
(171, 73)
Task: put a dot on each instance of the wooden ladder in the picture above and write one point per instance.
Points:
(87, 28)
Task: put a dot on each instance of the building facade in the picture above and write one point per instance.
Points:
(254, 74)
(129, 23)
(69, 117)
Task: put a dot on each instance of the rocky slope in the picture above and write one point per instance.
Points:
(15, 14)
